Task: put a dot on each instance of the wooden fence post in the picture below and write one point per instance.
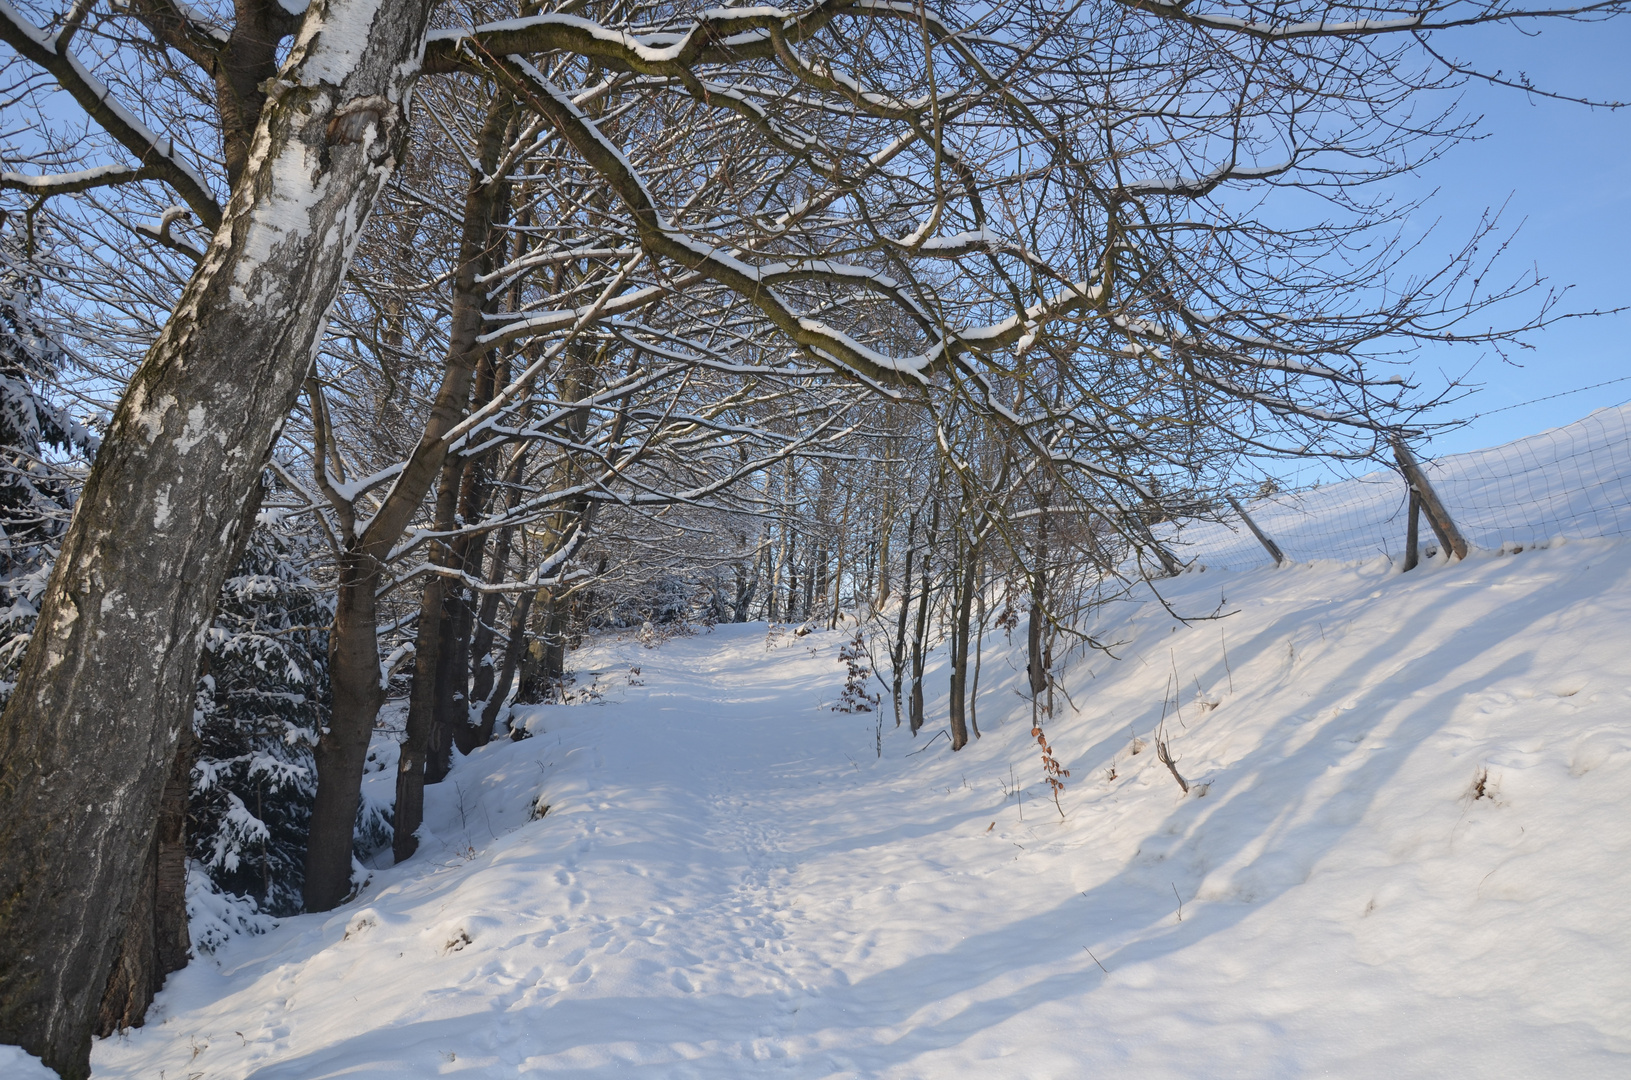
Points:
(1412, 534)
(1272, 548)
(1449, 537)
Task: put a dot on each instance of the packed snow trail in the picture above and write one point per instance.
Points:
(1406, 853)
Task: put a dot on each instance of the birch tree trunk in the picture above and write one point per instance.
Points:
(90, 731)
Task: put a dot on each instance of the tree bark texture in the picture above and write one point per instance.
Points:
(155, 940)
(534, 686)
(455, 694)
(88, 736)
(1412, 535)
(555, 643)
(746, 586)
(410, 775)
(355, 696)
(446, 671)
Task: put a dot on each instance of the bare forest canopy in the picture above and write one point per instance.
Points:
(513, 320)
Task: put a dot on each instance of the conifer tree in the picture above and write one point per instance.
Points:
(38, 440)
(262, 701)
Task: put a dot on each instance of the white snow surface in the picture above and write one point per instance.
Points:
(1410, 859)
(1572, 481)
(15, 1064)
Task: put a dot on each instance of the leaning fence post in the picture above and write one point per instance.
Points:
(1412, 533)
(1449, 537)
(1270, 545)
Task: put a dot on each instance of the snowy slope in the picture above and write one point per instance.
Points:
(729, 882)
(1573, 481)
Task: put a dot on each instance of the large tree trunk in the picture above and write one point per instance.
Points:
(543, 666)
(89, 734)
(555, 634)
(425, 748)
(409, 813)
(438, 659)
(155, 940)
(453, 714)
(355, 694)
(455, 700)
(534, 657)
(135, 977)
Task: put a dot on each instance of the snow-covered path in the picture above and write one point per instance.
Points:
(1410, 861)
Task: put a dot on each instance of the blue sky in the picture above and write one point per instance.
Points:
(1564, 173)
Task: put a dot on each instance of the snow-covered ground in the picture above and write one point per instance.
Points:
(1572, 481)
(1411, 859)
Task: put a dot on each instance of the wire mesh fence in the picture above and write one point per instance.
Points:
(1573, 481)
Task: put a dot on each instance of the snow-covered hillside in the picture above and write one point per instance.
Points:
(1572, 481)
(1405, 853)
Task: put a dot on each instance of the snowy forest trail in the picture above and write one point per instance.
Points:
(1404, 853)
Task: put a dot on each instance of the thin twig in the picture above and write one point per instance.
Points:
(1166, 758)
(1177, 690)
(930, 743)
